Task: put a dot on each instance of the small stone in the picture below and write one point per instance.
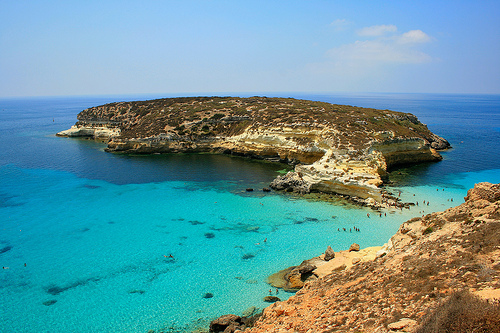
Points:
(404, 324)
(356, 260)
(329, 254)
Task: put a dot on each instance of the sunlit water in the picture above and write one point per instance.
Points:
(96, 242)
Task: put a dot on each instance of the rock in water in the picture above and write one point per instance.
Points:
(271, 299)
(329, 254)
(226, 323)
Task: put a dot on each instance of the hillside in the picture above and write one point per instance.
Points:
(425, 279)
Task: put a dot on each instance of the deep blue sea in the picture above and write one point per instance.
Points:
(86, 236)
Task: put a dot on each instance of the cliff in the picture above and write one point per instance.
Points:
(336, 148)
(404, 289)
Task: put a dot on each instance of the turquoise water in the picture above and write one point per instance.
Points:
(86, 237)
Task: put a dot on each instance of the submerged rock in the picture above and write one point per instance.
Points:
(5, 249)
(50, 302)
(208, 295)
(250, 311)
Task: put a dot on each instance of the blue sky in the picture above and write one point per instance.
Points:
(318, 46)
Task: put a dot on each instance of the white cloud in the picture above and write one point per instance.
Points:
(340, 24)
(377, 57)
(377, 30)
(414, 37)
(378, 51)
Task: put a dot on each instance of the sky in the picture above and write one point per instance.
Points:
(59, 48)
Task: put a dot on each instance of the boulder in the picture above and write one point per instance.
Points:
(271, 299)
(329, 254)
(291, 182)
(226, 323)
(354, 247)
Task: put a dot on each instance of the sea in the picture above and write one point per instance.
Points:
(98, 242)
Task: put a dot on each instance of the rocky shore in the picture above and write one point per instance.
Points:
(438, 273)
(337, 149)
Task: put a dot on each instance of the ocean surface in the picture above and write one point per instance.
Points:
(97, 242)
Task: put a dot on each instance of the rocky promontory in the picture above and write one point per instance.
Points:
(438, 273)
(335, 148)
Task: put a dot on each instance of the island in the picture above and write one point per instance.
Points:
(338, 149)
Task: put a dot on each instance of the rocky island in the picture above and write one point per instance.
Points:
(335, 148)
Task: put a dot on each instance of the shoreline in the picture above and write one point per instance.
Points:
(424, 264)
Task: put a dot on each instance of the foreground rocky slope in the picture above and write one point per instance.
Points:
(426, 261)
(337, 148)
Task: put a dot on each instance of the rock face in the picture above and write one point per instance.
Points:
(425, 262)
(336, 148)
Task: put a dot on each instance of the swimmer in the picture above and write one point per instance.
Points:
(265, 240)
(277, 291)
(368, 214)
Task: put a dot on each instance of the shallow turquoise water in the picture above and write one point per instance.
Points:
(96, 230)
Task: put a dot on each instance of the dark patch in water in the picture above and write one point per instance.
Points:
(56, 290)
(209, 235)
(92, 187)
(179, 219)
(183, 237)
(247, 256)
(50, 302)
(306, 219)
(196, 222)
(4, 201)
(111, 222)
(84, 229)
(136, 291)
(5, 249)
(208, 295)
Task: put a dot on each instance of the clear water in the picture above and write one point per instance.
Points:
(96, 230)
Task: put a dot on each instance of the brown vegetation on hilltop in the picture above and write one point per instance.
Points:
(200, 117)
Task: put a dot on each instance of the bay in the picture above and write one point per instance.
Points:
(87, 235)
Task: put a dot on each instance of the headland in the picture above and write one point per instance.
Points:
(438, 273)
(336, 149)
